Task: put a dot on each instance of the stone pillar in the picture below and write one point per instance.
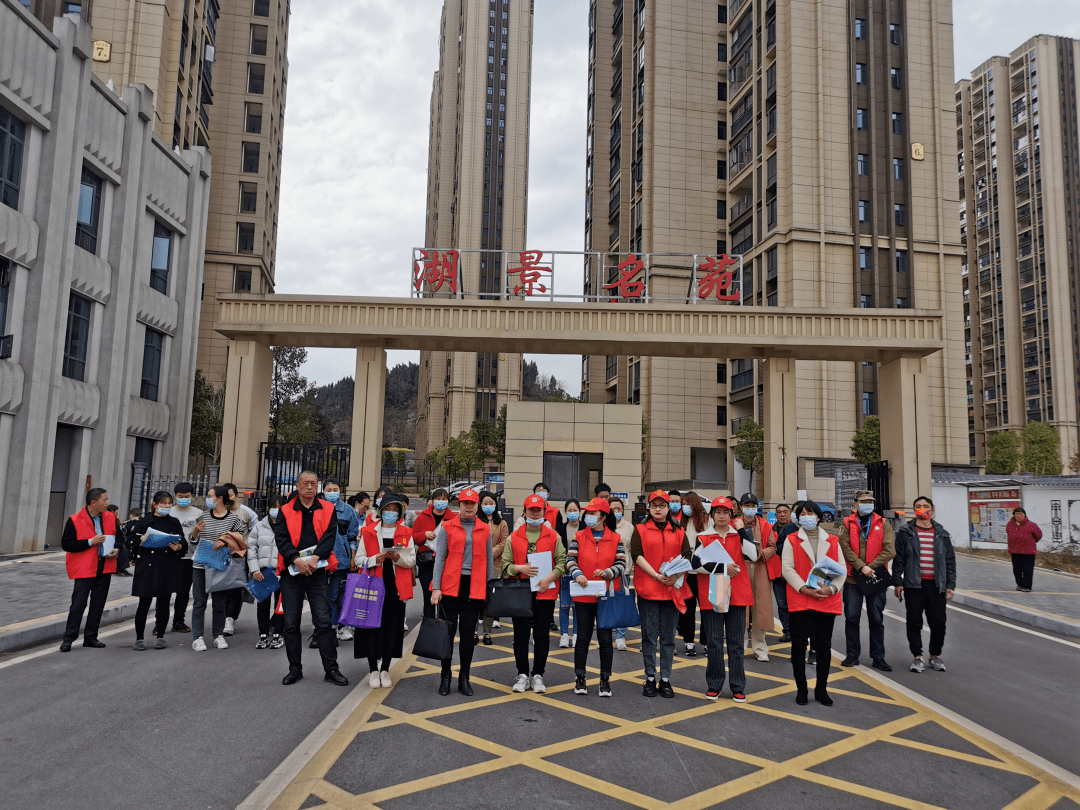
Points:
(365, 463)
(247, 412)
(781, 445)
(904, 409)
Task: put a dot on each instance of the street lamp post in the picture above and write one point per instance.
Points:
(449, 468)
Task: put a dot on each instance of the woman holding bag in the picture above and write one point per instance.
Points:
(500, 533)
(387, 551)
(596, 553)
(728, 625)
(262, 554)
(219, 526)
(157, 570)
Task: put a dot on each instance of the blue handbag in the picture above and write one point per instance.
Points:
(264, 589)
(205, 555)
(617, 608)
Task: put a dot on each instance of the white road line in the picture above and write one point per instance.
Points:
(892, 615)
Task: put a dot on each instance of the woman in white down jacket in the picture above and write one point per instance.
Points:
(262, 554)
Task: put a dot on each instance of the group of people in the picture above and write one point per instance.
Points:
(312, 539)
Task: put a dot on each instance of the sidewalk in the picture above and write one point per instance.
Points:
(987, 584)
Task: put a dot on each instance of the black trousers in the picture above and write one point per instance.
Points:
(931, 601)
(96, 590)
(187, 565)
(1023, 569)
(425, 573)
(267, 619)
(688, 620)
(161, 615)
(586, 619)
(814, 627)
(539, 627)
(875, 614)
(234, 600)
(461, 611)
(316, 588)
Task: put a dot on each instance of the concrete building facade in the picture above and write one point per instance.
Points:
(1020, 213)
(477, 196)
(102, 230)
(827, 127)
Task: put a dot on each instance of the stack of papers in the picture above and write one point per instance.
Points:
(677, 567)
(105, 549)
(593, 587)
(715, 553)
(543, 562)
(307, 552)
(823, 572)
(156, 539)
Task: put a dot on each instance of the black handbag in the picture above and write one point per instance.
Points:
(510, 599)
(878, 583)
(434, 639)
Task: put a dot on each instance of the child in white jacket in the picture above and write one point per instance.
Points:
(263, 554)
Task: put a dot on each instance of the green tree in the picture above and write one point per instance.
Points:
(402, 461)
(387, 458)
(1074, 462)
(1002, 453)
(866, 443)
(465, 454)
(644, 451)
(750, 451)
(499, 444)
(1042, 449)
(207, 417)
(293, 413)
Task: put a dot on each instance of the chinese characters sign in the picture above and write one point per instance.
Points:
(435, 268)
(718, 278)
(530, 274)
(990, 511)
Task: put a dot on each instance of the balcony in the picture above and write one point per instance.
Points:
(742, 120)
(741, 207)
(736, 424)
(744, 379)
(733, 8)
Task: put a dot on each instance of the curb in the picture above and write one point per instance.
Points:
(1018, 614)
(51, 628)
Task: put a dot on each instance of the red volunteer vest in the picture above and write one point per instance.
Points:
(593, 554)
(320, 518)
(551, 515)
(373, 545)
(519, 541)
(84, 564)
(425, 522)
(455, 552)
(742, 593)
(803, 566)
(874, 538)
(657, 548)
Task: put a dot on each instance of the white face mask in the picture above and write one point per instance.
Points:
(866, 509)
(749, 511)
(274, 513)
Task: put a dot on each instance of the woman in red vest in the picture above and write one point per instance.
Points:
(423, 529)
(653, 543)
(726, 625)
(535, 536)
(811, 611)
(463, 566)
(386, 549)
(596, 553)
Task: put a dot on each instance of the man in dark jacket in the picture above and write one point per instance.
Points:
(925, 568)
(89, 565)
(305, 533)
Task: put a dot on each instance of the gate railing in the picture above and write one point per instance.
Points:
(281, 462)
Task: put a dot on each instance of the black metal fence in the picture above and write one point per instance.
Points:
(877, 480)
(281, 462)
(144, 484)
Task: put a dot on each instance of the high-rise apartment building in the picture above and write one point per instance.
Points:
(218, 71)
(1019, 166)
(812, 138)
(478, 171)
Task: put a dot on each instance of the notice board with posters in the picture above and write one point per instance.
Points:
(991, 510)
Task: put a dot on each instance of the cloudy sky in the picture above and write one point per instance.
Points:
(356, 124)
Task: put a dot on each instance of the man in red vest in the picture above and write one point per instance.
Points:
(867, 543)
(85, 536)
(305, 533)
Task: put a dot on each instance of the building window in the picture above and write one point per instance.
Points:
(894, 34)
(721, 373)
(144, 451)
(86, 228)
(861, 120)
(898, 168)
(864, 211)
(901, 303)
(721, 415)
(250, 157)
(159, 260)
(898, 123)
(721, 130)
(896, 80)
(611, 367)
(249, 198)
(864, 258)
(868, 403)
(721, 52)
(5, 291)
(721, 209)
(864, 165)
(770, 213)
(12, 135)
(257, 44)
(898, 215)
(245, 237)
(253, 118)
(860, 28)
(721, 170)
(721, 91)
(261, 8)
(256, 77)
(721, 13)
(866, 301)
(860, 73)
(151, 364)
(242, 283)
(721, 247)
(77, 339)
(901, 261)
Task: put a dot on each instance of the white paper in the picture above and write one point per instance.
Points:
(307, 552)
(715, 553)
(543, 562)
(593, 587)
(108, 545)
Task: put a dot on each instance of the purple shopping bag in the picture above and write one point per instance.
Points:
(361, 604)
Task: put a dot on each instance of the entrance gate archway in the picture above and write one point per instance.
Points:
(900, 340)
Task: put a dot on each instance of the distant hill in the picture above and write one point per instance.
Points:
(334, 404)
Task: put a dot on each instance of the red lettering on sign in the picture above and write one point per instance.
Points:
(436, 268)
(626, 285)
(717, 278)
(529, 273)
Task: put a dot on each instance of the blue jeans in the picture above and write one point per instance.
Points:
(337, 595)
(564, 607)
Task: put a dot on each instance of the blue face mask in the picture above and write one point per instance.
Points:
(209, 503)
(274, 513)
(808, 522)
(866, 509)
(390, 517)
(489, 508)
(749, 511)
(183, 503)
(591, 520)
(163, 511)
(618, 515)
(332, 496)
(675, 506)
(542, 494)
(573, 516)
(440, 505)
(687, 509)
(534, 522)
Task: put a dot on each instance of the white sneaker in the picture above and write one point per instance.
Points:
(405, 622)
(374, 681)
(761, 657)
(346, 633)
(538, 685)
(384, 677)
(198, 645)
(495, 623)
(620, 644)
(573, 640)
(230, 627)
(338, 633)
(522, 683)
(221, 643)
(564, 640)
